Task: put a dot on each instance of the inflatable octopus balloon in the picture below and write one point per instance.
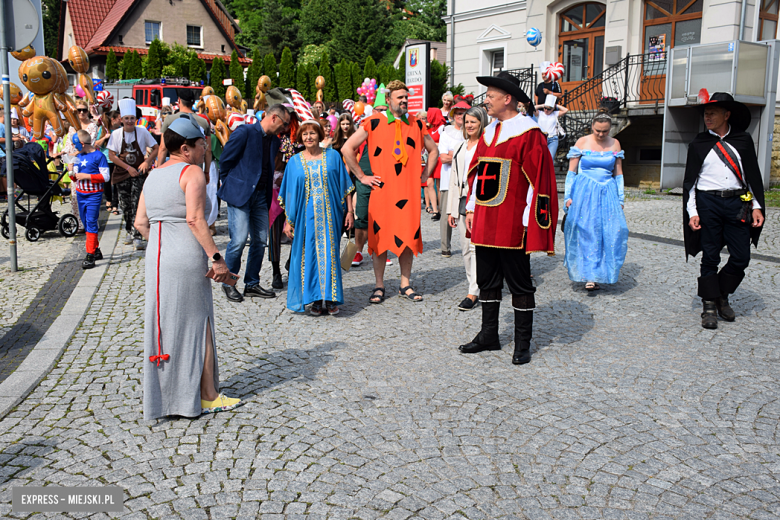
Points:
(215, 110)
(79, 61)
(320, 84)
(207, 91)
(47, 80)
(16, 97)
(263, 84)
(233, 98)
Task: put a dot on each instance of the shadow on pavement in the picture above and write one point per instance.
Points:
(275, 368)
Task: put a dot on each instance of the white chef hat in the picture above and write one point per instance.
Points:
(250, 112)
(14, 113)
(166, 101)
(550, 101)
(127, 107)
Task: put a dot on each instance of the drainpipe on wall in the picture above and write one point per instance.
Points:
(452, 43)
(742, 20)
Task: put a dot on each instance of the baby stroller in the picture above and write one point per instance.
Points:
(32, 176)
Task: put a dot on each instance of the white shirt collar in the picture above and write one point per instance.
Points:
(724, 135)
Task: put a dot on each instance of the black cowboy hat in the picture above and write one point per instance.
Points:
(739, 120)
(506, 82)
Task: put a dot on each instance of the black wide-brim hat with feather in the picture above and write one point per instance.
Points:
(739, 120)
(506, 82)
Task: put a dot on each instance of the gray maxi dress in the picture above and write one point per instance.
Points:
(179, 303)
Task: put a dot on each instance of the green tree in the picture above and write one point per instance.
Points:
(343, 79)
(217, 75)
(179, 57)
(51, 27)
(312, 54)
(237, 73)
(255, 72)
(361, 31)
(302, 81)
(250, 14)
(131, 66)
(369, 70)
(197, 69)
(154, 60)
(318, 19)
(112, 67)
(357, 78)
(329, 92)
(401, 70)
(280, 26)
(439, 83)
(270, 69)
(287, 70)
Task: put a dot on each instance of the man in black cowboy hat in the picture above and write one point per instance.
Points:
(512, 212)
(723, 197)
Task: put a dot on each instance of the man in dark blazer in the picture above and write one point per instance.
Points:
(723, 201)
(246, 176)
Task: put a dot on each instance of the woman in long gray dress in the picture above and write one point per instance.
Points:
(181, 376)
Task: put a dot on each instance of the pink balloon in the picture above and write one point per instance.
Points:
(373, 82)
(79, 91)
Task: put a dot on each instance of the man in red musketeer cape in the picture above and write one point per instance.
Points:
(512, 212)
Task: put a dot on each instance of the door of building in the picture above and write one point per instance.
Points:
(581, 46)
(667, 24)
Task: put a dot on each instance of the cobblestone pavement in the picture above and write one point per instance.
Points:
(36, 261)
(629, 408)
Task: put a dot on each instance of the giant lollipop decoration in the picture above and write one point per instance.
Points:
(553, 72)
(533, 36)
(105, 100)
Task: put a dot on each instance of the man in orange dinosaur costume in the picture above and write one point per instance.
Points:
(512, 212)
(395, 145)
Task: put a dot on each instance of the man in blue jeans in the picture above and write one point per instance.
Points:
(246, 174)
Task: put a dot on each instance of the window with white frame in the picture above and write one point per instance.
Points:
(496, 62)
(194, 36)
(152, 31)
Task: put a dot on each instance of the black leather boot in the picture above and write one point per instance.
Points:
(487, 339)
(524, 321)
(709, 318)
(724, 309)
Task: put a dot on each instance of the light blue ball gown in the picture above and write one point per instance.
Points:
(596, 233)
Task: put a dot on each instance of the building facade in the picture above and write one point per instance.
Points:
(588, 37)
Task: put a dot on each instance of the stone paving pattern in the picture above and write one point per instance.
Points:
(629, 408)
(36, 261)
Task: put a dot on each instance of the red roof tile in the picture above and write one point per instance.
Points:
(110, 21)
(86, 17)
(120, 51)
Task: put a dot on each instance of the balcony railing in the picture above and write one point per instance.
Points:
(527, 79)
(636, 81)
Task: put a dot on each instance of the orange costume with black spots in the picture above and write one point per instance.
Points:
(395, 148)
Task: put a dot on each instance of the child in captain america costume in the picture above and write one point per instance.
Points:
(90, 171)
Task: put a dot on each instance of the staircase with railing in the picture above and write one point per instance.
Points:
(637, 82)
(527, 79)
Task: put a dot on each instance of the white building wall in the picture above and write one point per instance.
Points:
(474, 38)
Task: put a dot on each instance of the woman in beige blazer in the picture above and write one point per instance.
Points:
(474, 124)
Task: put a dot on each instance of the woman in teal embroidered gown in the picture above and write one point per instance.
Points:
(596, 233)
(314, 195)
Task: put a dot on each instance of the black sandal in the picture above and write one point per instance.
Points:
(377, 298)
(413, 296)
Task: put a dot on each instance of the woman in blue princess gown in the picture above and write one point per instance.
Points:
(596, 233)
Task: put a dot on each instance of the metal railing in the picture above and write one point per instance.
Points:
(527, 79)
(635, 81)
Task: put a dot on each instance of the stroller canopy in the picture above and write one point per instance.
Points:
(30, 172)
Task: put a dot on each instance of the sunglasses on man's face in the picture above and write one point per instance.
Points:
(82, 110)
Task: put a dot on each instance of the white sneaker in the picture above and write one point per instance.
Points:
(129, 239)
(139, 244)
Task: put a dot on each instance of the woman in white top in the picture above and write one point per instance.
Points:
(474, 124)
(547, 119)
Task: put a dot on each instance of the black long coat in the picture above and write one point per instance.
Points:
(697, 151)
